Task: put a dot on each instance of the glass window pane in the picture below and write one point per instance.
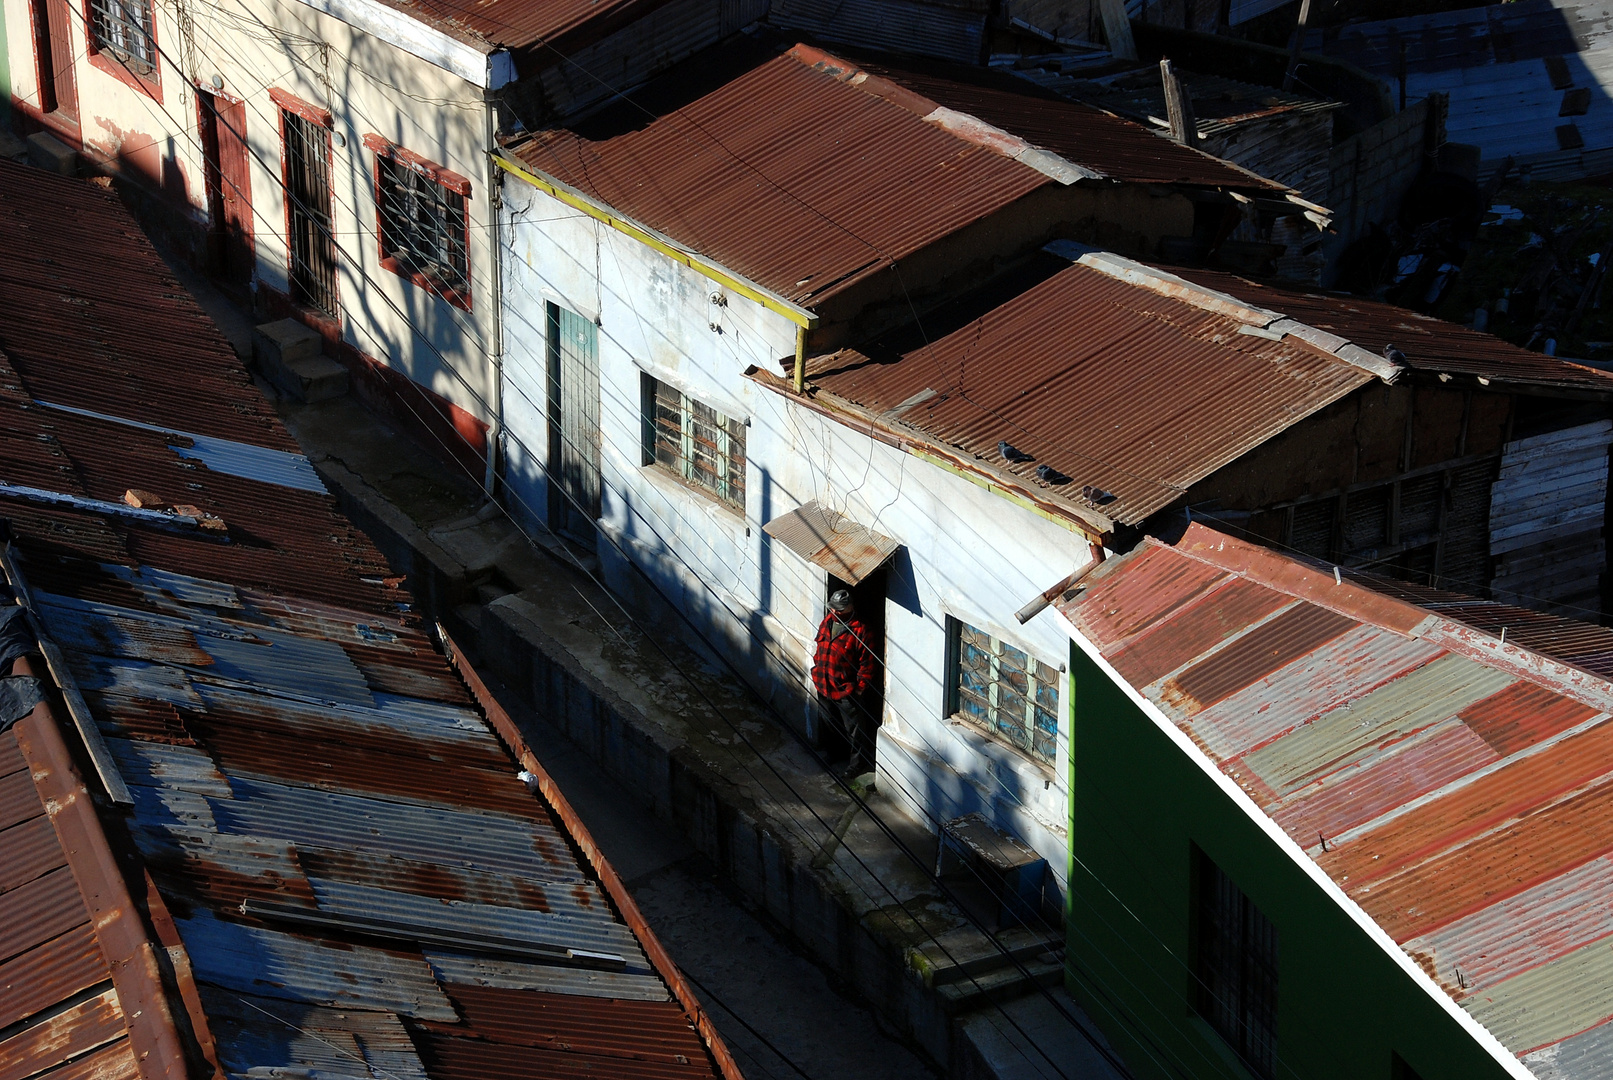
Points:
(1005, 692)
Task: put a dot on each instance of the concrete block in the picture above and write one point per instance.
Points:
(48, 152)
(11, 147)
(290, 356)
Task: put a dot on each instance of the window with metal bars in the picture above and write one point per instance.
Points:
(694, 442)
(1237, 969)
(1003, 691)
(124, 29)
(424, 232)
(306, 153)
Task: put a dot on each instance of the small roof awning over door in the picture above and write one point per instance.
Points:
(846, 549)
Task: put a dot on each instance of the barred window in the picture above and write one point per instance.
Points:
(694, 442)
(124, 28)
(1237, 969)
(424, 236)
(1004, 691)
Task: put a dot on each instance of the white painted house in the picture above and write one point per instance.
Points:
(332, 156)
(656, 275)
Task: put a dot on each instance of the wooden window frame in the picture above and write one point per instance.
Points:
(116, 61)
(386, 150)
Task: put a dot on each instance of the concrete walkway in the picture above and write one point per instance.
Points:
(698, 795)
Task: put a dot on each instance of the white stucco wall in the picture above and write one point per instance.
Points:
(369, 86)
(965, 553)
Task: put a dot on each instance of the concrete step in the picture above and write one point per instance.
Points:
(47, 152)
(290, 356)
(958, 954)
(1000, 986)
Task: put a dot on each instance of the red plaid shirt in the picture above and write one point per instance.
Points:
(842, 665)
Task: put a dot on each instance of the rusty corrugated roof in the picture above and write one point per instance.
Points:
(847, 549)
(1456, 788)
(1429, 344)
(798, 174)
(336, 837)
(1128, 396)
(1112, 146)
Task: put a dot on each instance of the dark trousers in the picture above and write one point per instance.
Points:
(852, 721)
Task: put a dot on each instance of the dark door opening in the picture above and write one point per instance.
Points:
(868, 597)
(53, 54)
(222, 124)
(574, 472)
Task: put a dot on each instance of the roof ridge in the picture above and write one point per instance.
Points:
(1258, 321)
(961, 125)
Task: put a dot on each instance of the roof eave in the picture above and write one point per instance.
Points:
(1094, 526)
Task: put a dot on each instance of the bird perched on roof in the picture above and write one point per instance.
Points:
(1393, 355)
(1051, 475)
(1012, 453)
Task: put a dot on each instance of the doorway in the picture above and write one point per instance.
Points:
(306, 153)
(574, 477)
(222, 124)
(868, 600)
(53, 55)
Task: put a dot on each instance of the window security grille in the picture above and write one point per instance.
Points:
(423, 227)
(123, 28)
(694, 442)
(1005, 692)
(313, 247)
(1237, 969)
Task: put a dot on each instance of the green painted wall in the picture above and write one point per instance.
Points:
(1138, 805)
(5, 68)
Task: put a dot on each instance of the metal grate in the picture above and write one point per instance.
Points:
(313, 248)
(1005, 692)
(423, 227)
(123, 28)
(1237, 969)
(694, 442)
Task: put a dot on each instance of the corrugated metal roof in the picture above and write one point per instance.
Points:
(807, 173)
(317, 801)
(1430, 344)
(1127, 395)
(848, 550)
(1456, 788)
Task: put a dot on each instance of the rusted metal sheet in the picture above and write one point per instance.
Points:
(948, 31)
(314, 791)
(76, 1030)
(823, 213)
(1109, 145)
(1459, 790)
(1429, 344)
(847, 549)
(1057, 373)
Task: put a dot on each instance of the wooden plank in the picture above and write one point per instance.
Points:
(1528, 539)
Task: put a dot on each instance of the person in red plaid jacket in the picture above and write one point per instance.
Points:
(842, 672)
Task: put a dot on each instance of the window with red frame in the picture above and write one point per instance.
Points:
(124, 29)
(424, 234)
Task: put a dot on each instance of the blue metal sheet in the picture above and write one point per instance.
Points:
(308, 1041)
(578, 917)
(482, 841)
(297, 967)
(456, 967)
(225, 455)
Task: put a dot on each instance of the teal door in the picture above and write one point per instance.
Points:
(574, 483)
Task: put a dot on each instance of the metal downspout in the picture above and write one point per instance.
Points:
(495, 429)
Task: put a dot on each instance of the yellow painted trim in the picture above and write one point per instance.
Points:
(1014, 497)
(577, 201)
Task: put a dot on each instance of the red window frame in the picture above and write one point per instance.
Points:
(385, 148)
(109, 62)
